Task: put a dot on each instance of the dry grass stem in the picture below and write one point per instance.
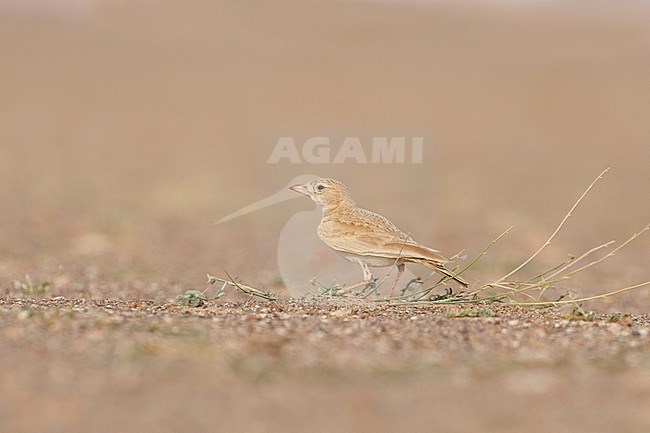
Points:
(559, 227)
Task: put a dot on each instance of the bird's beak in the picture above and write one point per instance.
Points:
(302, 189)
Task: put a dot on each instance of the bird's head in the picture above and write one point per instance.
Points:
(326, 192)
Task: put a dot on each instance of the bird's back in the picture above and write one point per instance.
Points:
(355, 222)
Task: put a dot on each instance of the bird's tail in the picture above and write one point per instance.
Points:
(440, 268)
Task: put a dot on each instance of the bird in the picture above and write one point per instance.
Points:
(365, 237)
(301, 258)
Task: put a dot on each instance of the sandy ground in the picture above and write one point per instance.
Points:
(128, 128)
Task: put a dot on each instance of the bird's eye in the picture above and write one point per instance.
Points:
(320, 187)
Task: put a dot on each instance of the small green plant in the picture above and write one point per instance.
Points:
(335, 288)
(617, 317)
(579, 313)
(192, 298)
(471, 313)
(29, 288)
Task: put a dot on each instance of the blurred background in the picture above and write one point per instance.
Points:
(127, 128)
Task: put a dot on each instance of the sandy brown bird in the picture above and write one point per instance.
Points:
(365, 237)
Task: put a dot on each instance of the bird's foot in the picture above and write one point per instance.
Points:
(371, 284)
(449, 292)
(367, 285)
(368, 288)
(414, 282)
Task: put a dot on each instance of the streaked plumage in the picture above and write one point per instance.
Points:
(365, 237)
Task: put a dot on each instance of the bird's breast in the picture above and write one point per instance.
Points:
(330, 230)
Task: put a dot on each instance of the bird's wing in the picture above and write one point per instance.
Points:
(370, 234)
(369, 244)
(416, 251)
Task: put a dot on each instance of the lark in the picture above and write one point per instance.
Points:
(365, 237)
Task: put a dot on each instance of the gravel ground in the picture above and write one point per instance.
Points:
(137, 365)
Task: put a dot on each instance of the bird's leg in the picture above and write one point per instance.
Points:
(400, 271)
(368, 280)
